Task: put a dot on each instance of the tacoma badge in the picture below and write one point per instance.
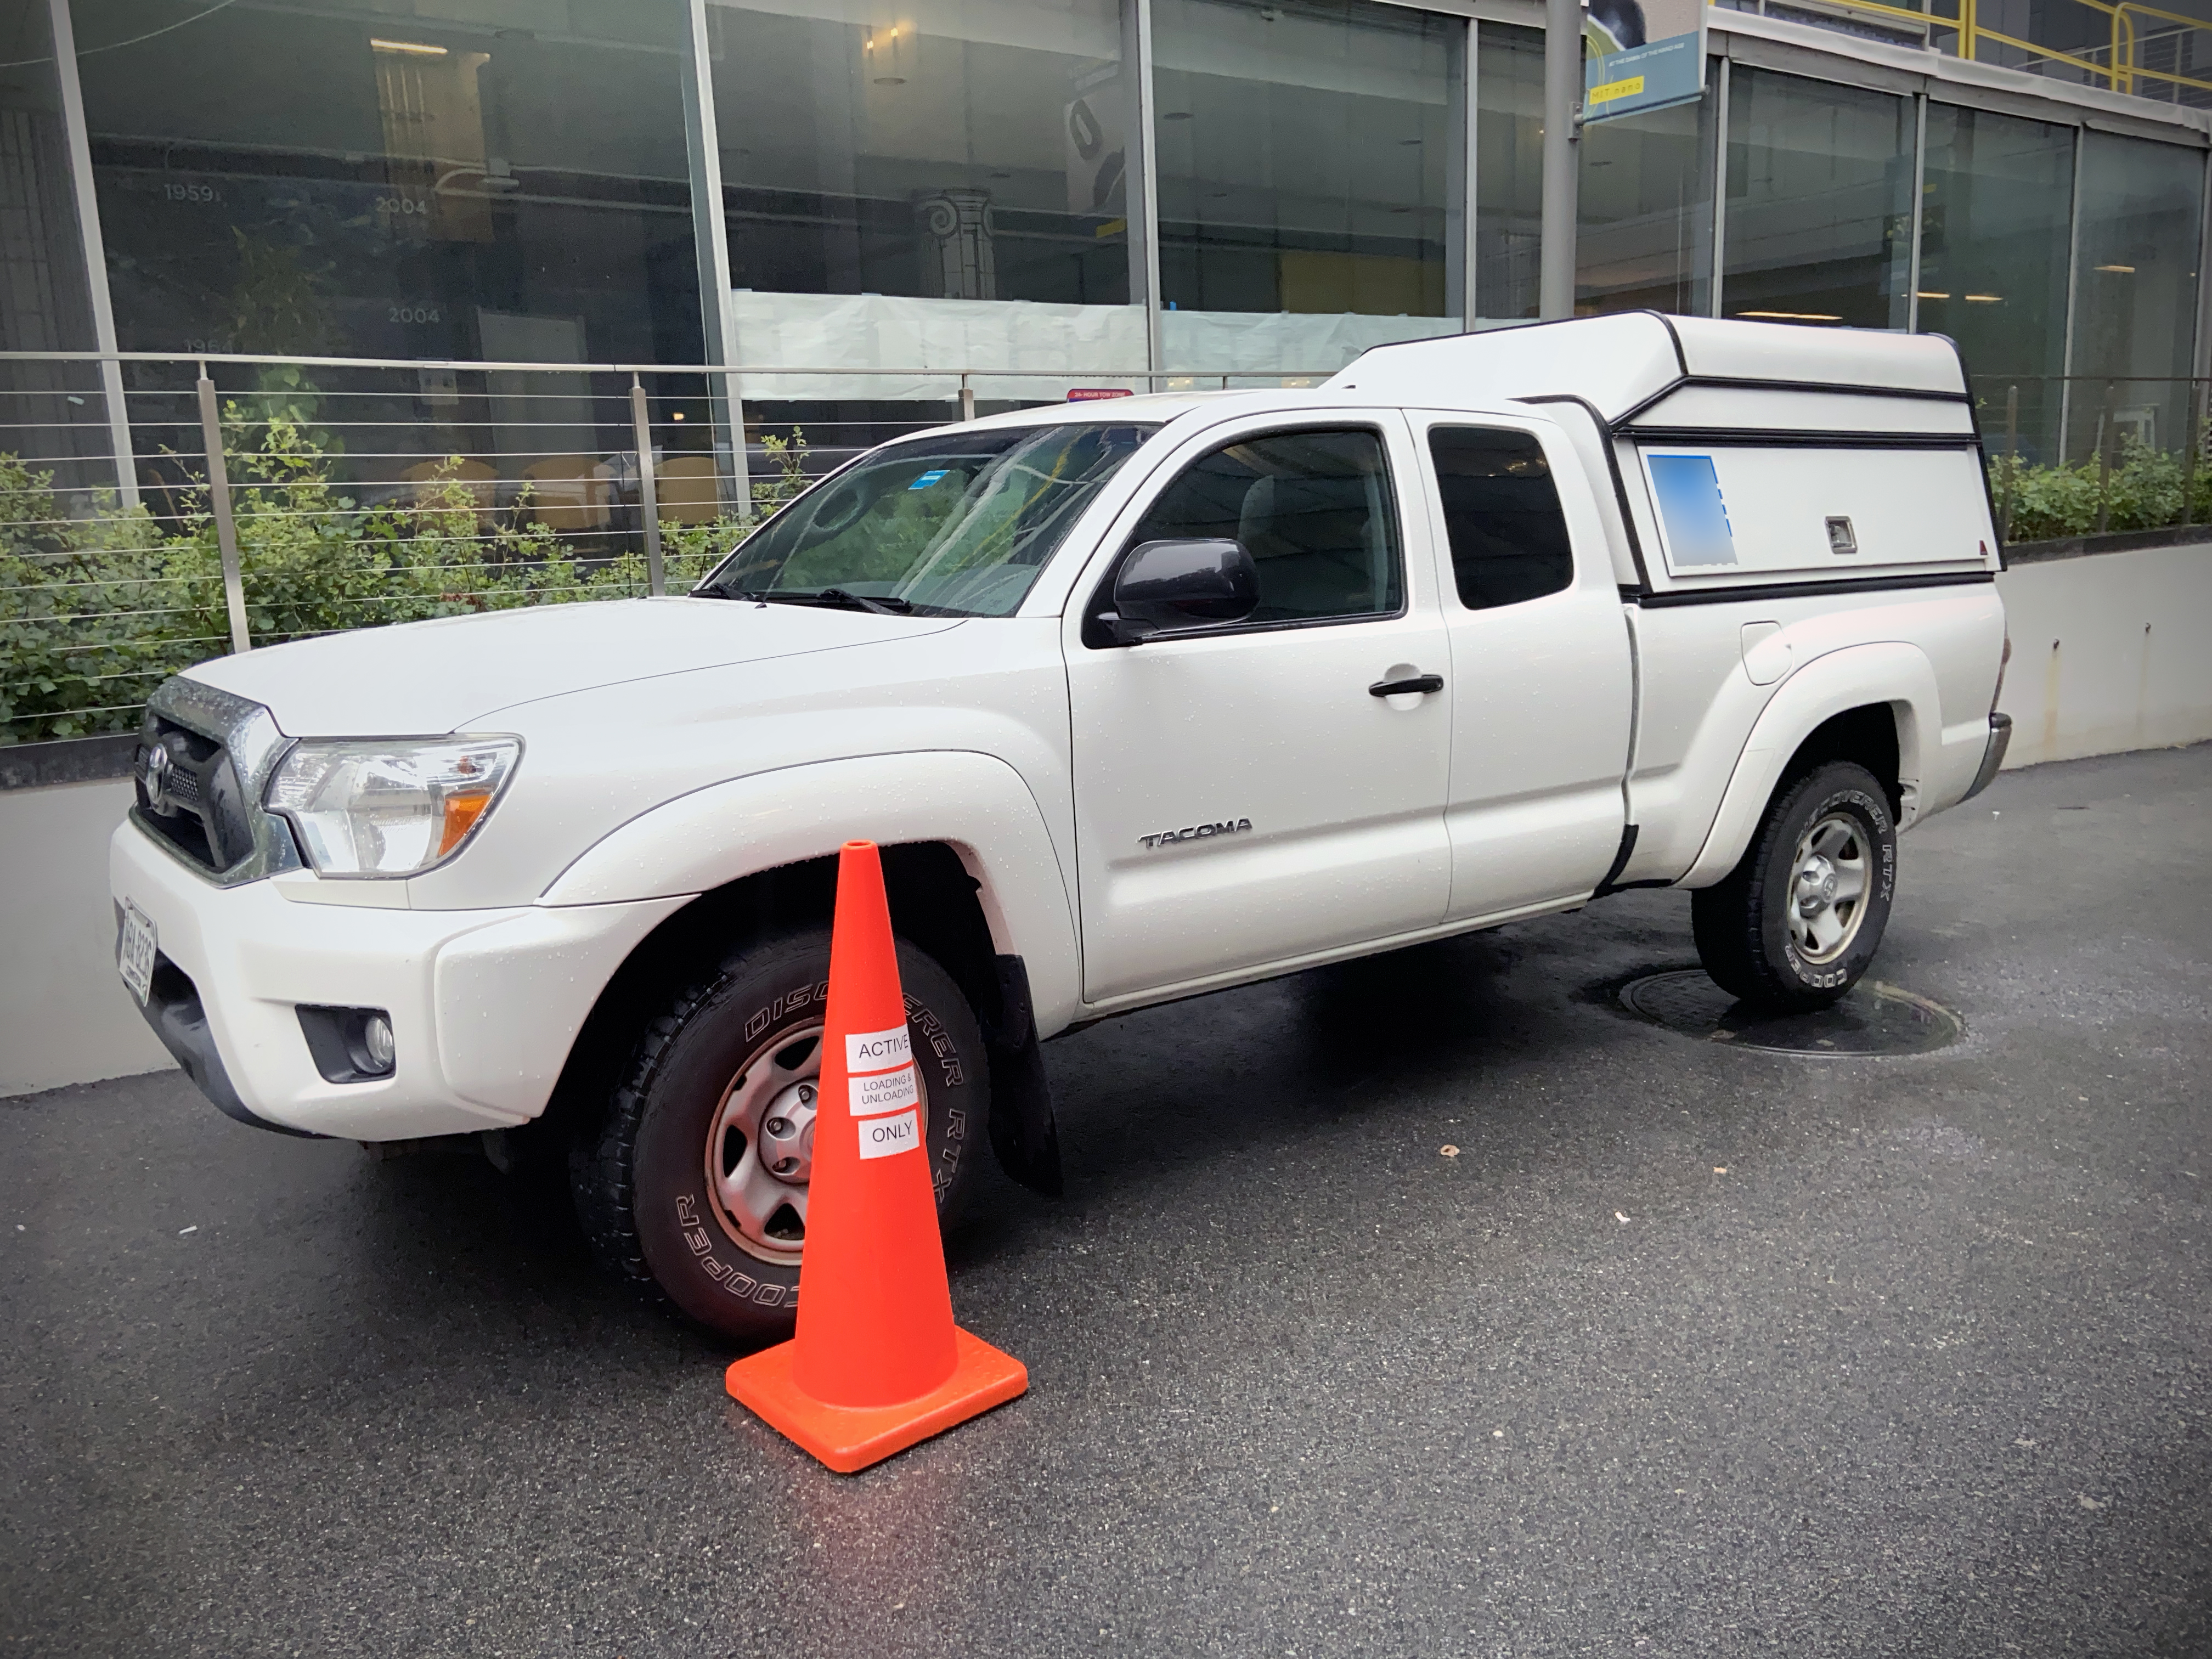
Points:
(1197, 832)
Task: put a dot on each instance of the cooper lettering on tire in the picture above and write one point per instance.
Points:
(694, 1187)
(1796, 923)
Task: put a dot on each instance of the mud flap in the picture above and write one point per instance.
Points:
(1022, 1133)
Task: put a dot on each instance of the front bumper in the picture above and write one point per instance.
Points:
(484, 1004)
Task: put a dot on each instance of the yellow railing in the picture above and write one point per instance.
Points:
(2121, 74)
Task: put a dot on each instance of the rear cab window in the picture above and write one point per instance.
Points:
(1507, 531)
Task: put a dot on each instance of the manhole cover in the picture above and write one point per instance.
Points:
(1873, 1019)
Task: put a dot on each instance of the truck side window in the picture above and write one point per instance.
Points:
(1509, 538)
(1314, 510)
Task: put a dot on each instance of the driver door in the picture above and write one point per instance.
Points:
(1243, 797)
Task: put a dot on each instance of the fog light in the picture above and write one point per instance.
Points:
(377, 1047)
(350, 1045)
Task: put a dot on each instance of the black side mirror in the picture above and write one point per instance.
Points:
(1169, 587)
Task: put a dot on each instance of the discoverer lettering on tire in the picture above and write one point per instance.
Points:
(662, 1183)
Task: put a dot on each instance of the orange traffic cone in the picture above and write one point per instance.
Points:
(878, 1363)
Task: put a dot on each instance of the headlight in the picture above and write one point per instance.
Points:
(389, 808)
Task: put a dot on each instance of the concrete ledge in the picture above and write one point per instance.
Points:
(70, 760)
(2117, 541)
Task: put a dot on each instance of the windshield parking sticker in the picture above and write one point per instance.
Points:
(876, 1051)
(886, 1091)
(1690, 504)
(882, 1137)
(928, 478)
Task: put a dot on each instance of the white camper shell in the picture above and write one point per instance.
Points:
(1739, 455)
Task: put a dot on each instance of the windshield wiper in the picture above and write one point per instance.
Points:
(882, 604)
(837, 598)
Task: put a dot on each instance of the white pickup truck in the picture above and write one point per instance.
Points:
(1141, 698)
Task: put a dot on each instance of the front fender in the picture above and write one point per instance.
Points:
(1894, 673)
(975, 803)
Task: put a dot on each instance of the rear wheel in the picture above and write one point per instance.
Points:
(694, 1187)
(1796, 923)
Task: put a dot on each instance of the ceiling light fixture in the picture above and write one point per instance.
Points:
(1932, 293)
(417, 48)
(1986, 298)
(2127, 271)
(1792, 316)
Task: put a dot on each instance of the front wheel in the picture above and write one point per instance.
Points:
(1796, 923)
(694, 1186)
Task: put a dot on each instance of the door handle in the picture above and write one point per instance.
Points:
(1422, 684)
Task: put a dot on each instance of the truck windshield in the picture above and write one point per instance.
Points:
(956, 524)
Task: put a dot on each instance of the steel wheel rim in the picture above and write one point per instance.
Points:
(760, 1146)
(1829, 877)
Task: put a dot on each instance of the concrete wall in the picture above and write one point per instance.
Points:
(2109, 653)
(64, 1015)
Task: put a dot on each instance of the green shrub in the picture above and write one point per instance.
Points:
(2141, 492)
(96, 610)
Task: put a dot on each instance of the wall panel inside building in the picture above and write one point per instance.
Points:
(1818, 225)
(2135, 292)
(1306, 178)
(327, 178)
(1997, 202)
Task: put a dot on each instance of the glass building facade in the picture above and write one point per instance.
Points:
(856, 200)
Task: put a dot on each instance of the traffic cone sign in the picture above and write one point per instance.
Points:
(877, 1365)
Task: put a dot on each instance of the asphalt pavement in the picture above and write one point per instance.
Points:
(1691, 1349)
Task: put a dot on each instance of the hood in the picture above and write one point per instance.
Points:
(420, 679)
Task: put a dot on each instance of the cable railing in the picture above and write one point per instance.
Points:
(2088, 454)
(266, 499)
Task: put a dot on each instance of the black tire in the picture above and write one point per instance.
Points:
(641, 1179)
(1743, 924)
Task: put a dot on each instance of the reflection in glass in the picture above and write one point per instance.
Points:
(311, 177)
(1997, 201)
(1509, 162)
(958, 149)
(1306, 178)
(1820, 191)
(1644, 236)
(44, 303)
(956, 525)
(2135, 295)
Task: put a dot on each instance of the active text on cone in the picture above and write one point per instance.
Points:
(876, 1051)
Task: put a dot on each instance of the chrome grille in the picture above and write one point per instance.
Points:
(203, 759)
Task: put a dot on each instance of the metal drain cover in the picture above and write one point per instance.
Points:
(1873, 1019)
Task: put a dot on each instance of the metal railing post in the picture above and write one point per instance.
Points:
(648, 498)
(2193, 436)
(2105, 459)
(967, 399)
(2012, 459)
(226, 528)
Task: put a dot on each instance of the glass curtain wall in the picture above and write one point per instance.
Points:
(2135, 294)
(52, 413)
(1996, 206)
(1309, 179)
(1508, 171)
(933, 183)
(478, 179)
(1818, 225)
(1645, 238)
(462, 178)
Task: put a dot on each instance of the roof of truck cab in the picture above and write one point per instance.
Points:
(1146, 406)
(1622, 364)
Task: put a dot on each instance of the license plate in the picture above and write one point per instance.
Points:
(134, 952)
